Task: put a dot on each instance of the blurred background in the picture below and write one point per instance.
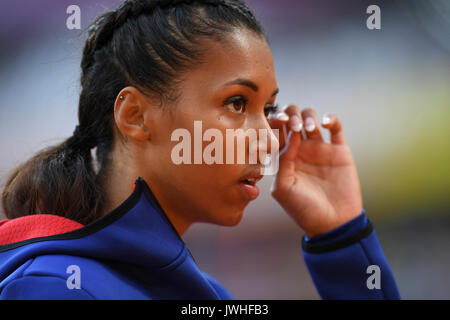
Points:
(390, 88)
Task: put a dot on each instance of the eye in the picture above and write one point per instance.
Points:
(237, 104)
(270, 108)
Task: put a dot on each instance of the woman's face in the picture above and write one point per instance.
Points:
(232, 89)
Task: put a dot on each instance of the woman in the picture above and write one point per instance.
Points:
(77, 230)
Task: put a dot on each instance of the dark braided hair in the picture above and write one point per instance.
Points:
(146, 44)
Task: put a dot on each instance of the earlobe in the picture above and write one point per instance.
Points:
(129, 114)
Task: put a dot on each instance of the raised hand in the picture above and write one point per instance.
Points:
(317, 182)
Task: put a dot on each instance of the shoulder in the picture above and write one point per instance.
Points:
(40, 278)
(58, 276)
(41, 288)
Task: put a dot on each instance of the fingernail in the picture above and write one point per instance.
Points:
(326, 119)
(296, 125)
(282, 116)
(309, 124)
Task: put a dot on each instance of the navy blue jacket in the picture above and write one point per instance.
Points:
(135, 253)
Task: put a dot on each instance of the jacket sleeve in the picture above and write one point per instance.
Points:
(348, 263)
(41, 288)
(222, 293)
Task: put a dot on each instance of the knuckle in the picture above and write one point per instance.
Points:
(308, 111)
(292, 109)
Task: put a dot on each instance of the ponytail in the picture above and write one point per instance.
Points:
(57, 180)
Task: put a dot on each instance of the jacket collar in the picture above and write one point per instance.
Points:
(137, 232)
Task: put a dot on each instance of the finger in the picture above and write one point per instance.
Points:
(295, 120)
(295, 123)
(289, 154)
(312, 130)
(286, 120)
(278, 121)
(332, 123)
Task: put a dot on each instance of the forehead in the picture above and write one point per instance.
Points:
(242, 54)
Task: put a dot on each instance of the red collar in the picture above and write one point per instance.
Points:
(34, 226)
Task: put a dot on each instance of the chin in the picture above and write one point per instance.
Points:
(231, 218)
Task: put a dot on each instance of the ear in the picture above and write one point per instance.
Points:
(131, 114)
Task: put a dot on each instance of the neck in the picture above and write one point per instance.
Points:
(118, 182)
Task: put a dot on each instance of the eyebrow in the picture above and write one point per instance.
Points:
(250, 84)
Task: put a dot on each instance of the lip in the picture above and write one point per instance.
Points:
(251, 192)
(249, 188)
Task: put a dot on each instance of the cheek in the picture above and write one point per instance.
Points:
(207, 182)
(210, 189)
(218, 194)
(209, 179)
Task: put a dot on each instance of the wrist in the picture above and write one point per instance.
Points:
(339, 230)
